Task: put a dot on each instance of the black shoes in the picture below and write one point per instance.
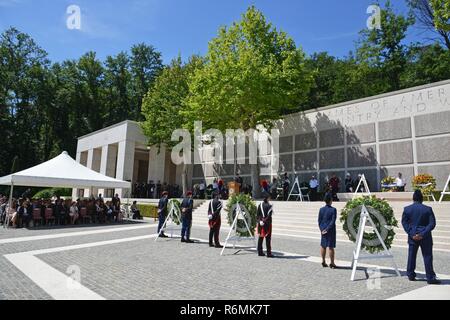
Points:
(412, 278)
(211, 245)
(261, 254)
(218, 246)
(189, 241)
(269, 255)
(183, 240)
(324, 265)
(434, 281)
(163, 236)
(333, 266)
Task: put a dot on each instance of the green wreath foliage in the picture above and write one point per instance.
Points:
(248, 206)
(176, 219)
(381, 206)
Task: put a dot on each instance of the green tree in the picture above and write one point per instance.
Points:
(430, 15)
(441, 14)
(382, 53)
(146, 64)
(23, 94)
(426, 64)
(252, 75)
(163, 104)
(117, 88)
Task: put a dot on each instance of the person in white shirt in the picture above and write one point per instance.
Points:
(313, 186)
(400, 183)
(73, 213)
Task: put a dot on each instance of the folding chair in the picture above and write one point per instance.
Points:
(49, 215)
(84, 216)
(37, 216)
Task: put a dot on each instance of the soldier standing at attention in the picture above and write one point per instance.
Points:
(214, 209)
(162, 212)
(186, 216)
(418, 221)
(264, 218)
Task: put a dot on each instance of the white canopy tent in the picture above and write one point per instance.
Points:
(62, 172)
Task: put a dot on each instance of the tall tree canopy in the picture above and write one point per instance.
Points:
(253, 74)
(163, 105)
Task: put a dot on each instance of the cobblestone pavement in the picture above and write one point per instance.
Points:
(168, 269)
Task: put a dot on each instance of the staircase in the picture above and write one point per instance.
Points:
(299, 220)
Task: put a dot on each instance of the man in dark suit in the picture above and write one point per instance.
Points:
(418, 221)
(186, 216)
(214, 209)
(162, 212)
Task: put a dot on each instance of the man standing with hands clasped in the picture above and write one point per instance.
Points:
(214, 208)
(186, 216)
(162, 212)
(418, 221)
(264, 218)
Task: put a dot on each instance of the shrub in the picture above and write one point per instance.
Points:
(52, 192)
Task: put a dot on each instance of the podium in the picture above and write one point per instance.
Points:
(233, 188)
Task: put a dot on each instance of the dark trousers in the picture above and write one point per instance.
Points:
(161, 219)
(285, 193)
(214, 233)
(426, 246)
(268, 245)
(136, 215)
(186, 228)
(313, 194)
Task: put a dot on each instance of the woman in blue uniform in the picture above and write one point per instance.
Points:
(327, 226)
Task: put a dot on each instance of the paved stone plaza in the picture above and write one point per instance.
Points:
(124, 262)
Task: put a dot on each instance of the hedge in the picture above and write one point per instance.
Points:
(148, 210)
(49, 193)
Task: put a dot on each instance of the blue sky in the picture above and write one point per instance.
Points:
(182, 26)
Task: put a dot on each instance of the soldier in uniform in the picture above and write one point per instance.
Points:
(418, 221)
(264, 218)
(186, 216)
(214, 208)
(162, 212)
(327, 226)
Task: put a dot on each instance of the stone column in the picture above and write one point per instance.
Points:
(157, 164)
(125, 164)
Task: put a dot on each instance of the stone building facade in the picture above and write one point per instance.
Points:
(406, 131)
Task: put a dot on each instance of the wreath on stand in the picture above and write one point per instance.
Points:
(174, 202)
(248, 207)
(382, 215)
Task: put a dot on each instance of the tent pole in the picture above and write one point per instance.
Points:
(11, 195)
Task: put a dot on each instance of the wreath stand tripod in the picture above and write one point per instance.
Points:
(362, 183)
(233, 229)
(364, 218)
(444, 191)
(174, 213)
(299, 195)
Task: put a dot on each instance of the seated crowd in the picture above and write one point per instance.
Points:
(24, 212)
